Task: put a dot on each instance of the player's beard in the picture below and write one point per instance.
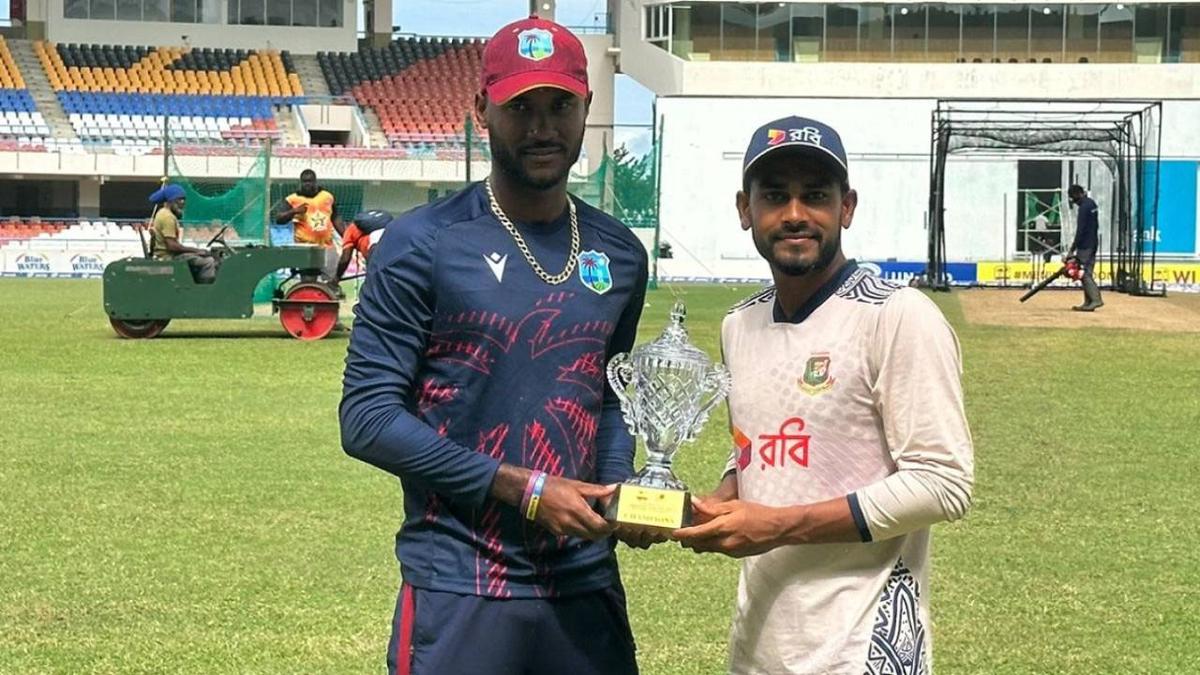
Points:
(309, 192)
(510, 164)
(827, 251)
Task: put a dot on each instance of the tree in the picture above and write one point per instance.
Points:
(635, 187)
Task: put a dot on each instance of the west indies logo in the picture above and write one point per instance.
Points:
(535, 44)
(594, 271)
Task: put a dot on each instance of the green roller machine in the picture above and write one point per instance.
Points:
(142, 295)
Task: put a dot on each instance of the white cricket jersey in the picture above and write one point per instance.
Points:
(857, 396)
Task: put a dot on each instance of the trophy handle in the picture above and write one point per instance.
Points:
(620, 375)
(716, 385)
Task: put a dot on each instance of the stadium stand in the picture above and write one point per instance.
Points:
(121, 95)
(420, 88)
(21, 124)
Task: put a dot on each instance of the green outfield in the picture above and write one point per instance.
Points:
(182, 505)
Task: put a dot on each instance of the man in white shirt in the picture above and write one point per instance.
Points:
(849, 434)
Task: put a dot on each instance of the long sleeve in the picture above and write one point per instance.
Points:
(393, 319)
(919, 394)
(614, 444)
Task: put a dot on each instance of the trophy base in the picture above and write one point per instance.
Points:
(654, 508)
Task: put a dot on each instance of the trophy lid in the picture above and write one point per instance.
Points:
(673, 347)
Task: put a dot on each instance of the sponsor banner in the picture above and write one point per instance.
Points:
(56, 264)
(1175, 276)
(904, 271)
(1177, 206)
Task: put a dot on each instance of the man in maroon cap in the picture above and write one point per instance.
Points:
(475, 374)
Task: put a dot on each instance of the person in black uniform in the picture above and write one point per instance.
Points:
(1087, 241)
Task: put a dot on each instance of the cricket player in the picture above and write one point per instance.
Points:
(849, 437)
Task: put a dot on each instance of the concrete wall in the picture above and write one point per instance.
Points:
(601, 69)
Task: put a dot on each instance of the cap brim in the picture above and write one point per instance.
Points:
(514, 85)
(832, 160)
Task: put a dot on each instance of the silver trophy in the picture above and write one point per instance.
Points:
(675, 387)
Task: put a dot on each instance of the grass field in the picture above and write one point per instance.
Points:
(181, 505)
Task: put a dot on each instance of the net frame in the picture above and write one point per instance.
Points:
(1124, 136)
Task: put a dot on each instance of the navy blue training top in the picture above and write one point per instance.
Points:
(1087, 226)
(462, 358)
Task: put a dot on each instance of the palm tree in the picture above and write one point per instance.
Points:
(589, 269)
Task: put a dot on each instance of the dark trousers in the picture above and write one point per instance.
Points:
(438, 633)
(204, 267)
(1087, 262)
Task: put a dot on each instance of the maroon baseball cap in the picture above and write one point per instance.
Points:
(533, 53)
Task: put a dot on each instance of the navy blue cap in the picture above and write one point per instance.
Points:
(797, 133)
(167, 193)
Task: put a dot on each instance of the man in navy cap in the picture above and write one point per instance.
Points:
(849, 433)
(166, 233)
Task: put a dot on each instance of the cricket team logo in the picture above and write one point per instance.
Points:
(594, 271)
(816, 379)
(535, 44)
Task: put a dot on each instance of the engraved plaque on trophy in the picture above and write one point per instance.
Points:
(674, 387)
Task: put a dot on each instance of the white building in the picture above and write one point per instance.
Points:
(876, 72)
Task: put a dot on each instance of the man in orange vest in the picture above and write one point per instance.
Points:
(313, 216)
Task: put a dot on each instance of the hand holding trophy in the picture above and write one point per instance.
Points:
(675, 386)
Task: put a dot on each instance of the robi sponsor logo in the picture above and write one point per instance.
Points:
(33, 263)
(809, 135)
(787, 444)
(87, 264)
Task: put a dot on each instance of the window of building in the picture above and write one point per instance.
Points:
(1083, 33)
(874, 33)
(178, 11)
(251, 12)
(704, 26)
(183, 11)
(329, 13)
(901, 32)
(75, 9)
(657, 29)
(279, 12)
(773, 21)
(1116, 34)
(155, 10)
(739, 37)
(1150, 33)
(1039, 207)
(1046, 33)
(304, 14)
(841, 32)
(908, 31)
(1012, 33)
(129, 10)
(942, 43)
(102, 9)
(1183, 42)
(807, 32)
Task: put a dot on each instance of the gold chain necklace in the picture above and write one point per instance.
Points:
(512, 229)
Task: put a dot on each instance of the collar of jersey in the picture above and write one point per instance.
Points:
(823, 293)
